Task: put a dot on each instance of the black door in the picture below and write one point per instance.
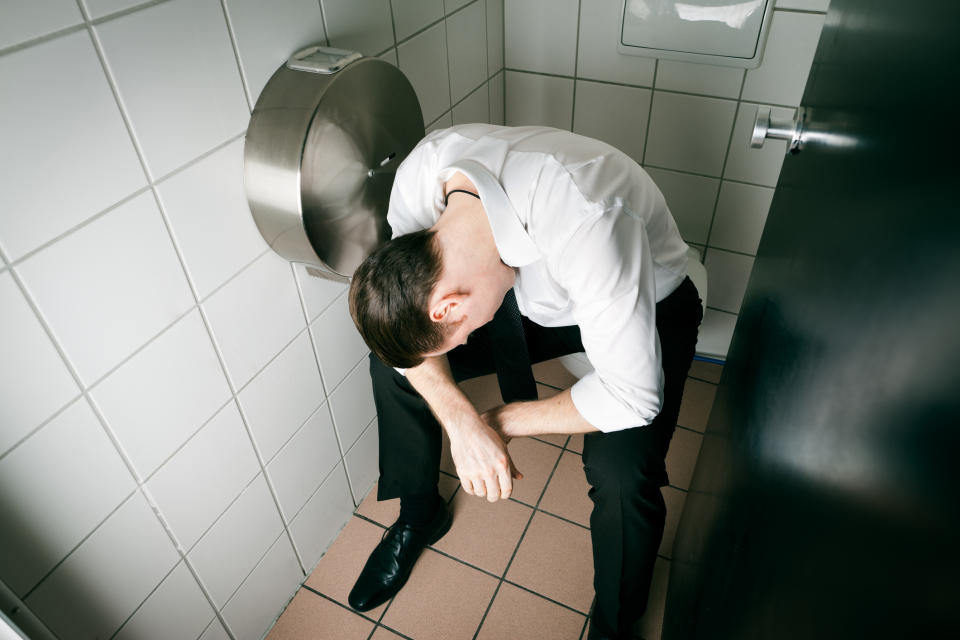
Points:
(826, 498)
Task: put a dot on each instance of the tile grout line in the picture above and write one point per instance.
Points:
(111, 79)
(235, 46)
(576, 59)
(723, 167)
(533, 513)
(323, 382)
(653, 93)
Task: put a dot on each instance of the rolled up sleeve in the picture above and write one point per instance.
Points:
(608, 272)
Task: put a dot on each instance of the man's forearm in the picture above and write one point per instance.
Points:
(556, 414)
(434, 381)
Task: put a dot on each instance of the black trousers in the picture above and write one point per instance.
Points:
(625, 469)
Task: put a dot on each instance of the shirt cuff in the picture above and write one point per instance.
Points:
(606, 411)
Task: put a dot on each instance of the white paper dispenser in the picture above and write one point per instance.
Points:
(717, 32)
(324, 141)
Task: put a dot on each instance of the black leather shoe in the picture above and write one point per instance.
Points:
(389, 566)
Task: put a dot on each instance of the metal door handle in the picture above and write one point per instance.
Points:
(764, 127)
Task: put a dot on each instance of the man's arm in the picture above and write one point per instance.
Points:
(556, 414)
(479, 453)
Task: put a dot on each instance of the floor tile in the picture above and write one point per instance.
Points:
(535, 460)
(709, 371)
(650, 625)
(384, 634)
(697, 402)
(484, 534)
(556, 560)
(675, 499)
(566, 495)
(483, 392)
(576, 443)
(553, 373)
(387, 511)
(339, 567)
(557, 439)
(313, 617)
(521, 615)
(443, 600)
(682, 456)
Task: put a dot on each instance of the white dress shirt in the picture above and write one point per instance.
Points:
(589, 234)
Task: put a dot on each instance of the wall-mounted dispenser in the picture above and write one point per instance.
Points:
(324, 141)
(721, 32)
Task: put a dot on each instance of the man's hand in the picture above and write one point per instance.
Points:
(483, 462)
(481, 456)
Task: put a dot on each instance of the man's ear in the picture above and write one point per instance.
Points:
(448, 308)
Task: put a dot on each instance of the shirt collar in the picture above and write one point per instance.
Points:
(514, 244)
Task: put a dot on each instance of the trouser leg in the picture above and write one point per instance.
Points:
(626, 470)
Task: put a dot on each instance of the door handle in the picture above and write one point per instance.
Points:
(791, 130)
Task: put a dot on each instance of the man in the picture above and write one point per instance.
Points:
(580, 236)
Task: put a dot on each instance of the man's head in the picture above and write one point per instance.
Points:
(423, 293)
(390, 295)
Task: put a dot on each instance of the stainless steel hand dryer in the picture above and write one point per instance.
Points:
(324, 141)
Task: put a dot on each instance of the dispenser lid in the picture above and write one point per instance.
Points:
(318, 59)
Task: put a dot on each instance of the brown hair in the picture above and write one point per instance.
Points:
(389, 298)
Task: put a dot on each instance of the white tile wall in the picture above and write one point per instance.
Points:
(496, 99)
(361, 461)
(409, 16)
(176, 115)
(110, 286)
(711, 80)
(541, 35)
(281, 397)
(25, 20)
(263, 595)
(691, 199)
(536, 99)
(58, 171)
(318, 292)
(474, 108)
(112, 373)
(210, 218)
(255, 315)
(34, 381)
(613, 113)
(57, 486)
(689, 133)
(305, 460)
(782, 74)
(137, 399)
(358, 25)
(119, 565)
(495, 39)
(467, 43)
(223, 558)
(442, 122)
(598, 58)
(741, 213)
(727, 274)
(339, 345)
(424, 62)
(322, 517)
(699, 123)
(195, 486)
(352, 404)
(178, 608)
(267, 34)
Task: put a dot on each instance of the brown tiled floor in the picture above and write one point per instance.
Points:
(519, 569)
